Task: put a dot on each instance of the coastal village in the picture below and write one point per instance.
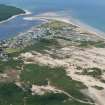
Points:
(37, 33)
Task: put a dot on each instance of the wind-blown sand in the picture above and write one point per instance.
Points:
(88, 58)
(70, 64)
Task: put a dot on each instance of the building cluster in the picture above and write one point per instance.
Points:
(27, 38)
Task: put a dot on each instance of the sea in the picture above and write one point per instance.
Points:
(89, 12)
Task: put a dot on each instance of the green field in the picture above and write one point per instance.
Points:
(39, 75)
(11, 94)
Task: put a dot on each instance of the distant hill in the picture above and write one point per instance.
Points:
(8, 11)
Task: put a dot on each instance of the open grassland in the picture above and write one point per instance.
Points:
(12, 94)
(41, 75)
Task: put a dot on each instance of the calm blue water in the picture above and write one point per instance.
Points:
(91, 12)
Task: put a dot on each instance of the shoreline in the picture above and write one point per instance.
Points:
(12, 17)
(53, 16)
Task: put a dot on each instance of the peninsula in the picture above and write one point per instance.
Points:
(7, 12)
(55, 63)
